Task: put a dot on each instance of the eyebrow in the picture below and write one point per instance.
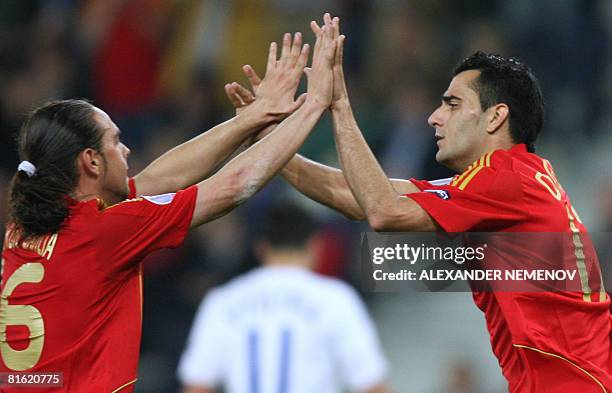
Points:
(448, 99)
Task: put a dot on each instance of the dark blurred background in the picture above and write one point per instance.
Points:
(158, 68)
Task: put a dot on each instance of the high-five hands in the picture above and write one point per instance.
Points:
(274, 95)
(320, 76)
(326, 83)
(340, 93)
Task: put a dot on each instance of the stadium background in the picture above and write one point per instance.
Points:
(158, 68)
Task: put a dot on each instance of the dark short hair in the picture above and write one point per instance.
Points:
(509, 81)
(287, 225)
(51, 138)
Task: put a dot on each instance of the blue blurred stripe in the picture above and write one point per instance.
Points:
(253, 362)
(285, 355)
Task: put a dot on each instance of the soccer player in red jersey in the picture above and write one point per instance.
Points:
(71, 293)
(486, 127)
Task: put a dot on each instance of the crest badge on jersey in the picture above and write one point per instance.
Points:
(442, 194)
(162, 199)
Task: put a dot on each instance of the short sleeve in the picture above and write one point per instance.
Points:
(201, 361)
(492, 200)
(362, 362)
(128, 231)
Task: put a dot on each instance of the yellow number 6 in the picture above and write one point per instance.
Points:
(24, 316)
(549, 181)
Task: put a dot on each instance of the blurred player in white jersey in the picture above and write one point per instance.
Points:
(282, 328)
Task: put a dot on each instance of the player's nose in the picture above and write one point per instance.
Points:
(435, 119)
(126, 151)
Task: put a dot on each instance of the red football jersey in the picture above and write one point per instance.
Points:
(72, 301)
(545, 341)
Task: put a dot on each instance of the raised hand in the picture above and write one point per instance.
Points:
(276, 92)
(340, 93)
(320, 76)
(239, 96)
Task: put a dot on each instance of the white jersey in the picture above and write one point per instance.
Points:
(283, 330)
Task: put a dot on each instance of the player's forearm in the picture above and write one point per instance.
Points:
(264, 159)
(250, 171)
(364, 175)
(195, 159)
(323, 184)
(249, 141)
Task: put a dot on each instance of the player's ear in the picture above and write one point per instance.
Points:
(90, 162)
(497, 116)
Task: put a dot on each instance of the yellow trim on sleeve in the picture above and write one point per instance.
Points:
(124, 385)
(140, 285)
(567, 360)
(122, 202)
(580, 258)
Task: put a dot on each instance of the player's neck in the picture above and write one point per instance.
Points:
(288, 258)
(87, 189)
(490, 146)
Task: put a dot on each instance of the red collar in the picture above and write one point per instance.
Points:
(519, 148)
(73, 203)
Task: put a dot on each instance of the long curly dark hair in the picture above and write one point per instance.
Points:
(51, 138)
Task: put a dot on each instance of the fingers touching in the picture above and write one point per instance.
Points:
(238, 95)
(333, 24)
(233, 97)
(327, 46)
(283, 73)
(245, 94)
